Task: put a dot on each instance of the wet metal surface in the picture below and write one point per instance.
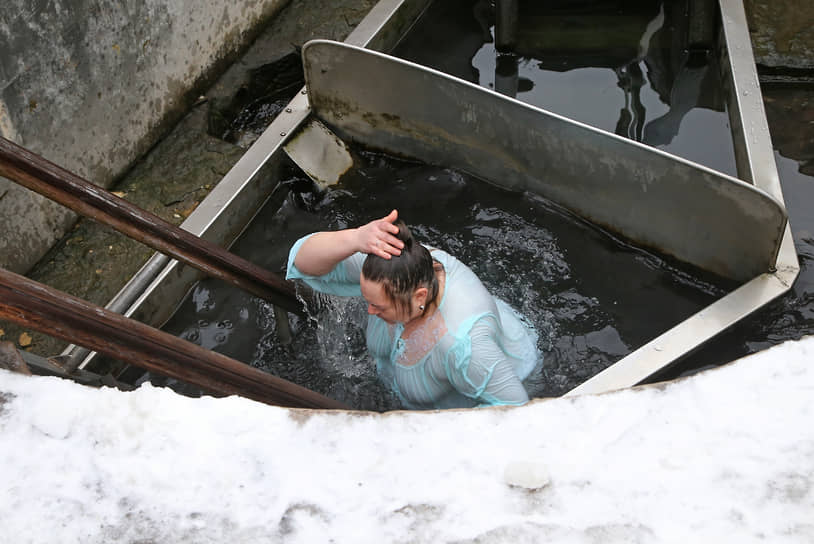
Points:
(760, 292)
(659, 87)
(658, 201)
(791, 316)
(319, 153)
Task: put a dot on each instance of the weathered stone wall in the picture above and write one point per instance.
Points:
(92, 84)
(782, 32)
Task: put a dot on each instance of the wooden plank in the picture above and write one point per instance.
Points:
(54, 182)
(42, 308)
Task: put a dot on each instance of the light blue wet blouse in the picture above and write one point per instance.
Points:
(478, 355)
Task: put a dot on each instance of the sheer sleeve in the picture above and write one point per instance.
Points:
(343, 280)
(479, 368)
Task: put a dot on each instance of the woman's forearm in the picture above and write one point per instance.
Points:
(321, 252)
(324, 250)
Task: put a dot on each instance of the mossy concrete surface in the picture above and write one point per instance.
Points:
(94, 262)
(91, 85)
(782, 32)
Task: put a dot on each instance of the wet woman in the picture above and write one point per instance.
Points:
(439, 339)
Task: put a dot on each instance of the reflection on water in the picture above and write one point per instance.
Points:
(624, 67)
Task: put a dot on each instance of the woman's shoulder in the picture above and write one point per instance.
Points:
(457, 273)
(465, 297)
(451, 263)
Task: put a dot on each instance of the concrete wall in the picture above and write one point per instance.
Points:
(92, 84)
(782, 32)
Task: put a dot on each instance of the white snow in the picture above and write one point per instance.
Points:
(723, 456)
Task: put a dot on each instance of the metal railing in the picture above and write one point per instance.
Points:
(47, 310)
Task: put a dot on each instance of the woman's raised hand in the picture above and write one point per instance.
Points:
(378, 237)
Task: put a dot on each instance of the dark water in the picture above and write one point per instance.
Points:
(625, 67)
(592, 298)
(790, 111)
(570, 279)
(618, 66)
(255, 105)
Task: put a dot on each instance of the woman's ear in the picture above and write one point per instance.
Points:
(420, 296)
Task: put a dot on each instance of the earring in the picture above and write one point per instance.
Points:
(421, 307)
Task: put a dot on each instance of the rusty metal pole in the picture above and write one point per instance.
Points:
(56, 183)
(42, 308)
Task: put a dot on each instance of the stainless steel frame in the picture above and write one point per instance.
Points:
(768, 268)
(755, 162)
(649, 197)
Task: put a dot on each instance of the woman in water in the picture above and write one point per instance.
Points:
(439, 339)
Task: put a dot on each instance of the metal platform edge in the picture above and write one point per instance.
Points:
(755, 163)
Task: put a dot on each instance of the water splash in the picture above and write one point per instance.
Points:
(591, 298)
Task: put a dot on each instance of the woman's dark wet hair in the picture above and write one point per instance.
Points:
(402, 274)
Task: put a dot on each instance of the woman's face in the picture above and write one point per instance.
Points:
(378, 303)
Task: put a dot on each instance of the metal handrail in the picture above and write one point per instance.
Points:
(54, 182)
(48, 310)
